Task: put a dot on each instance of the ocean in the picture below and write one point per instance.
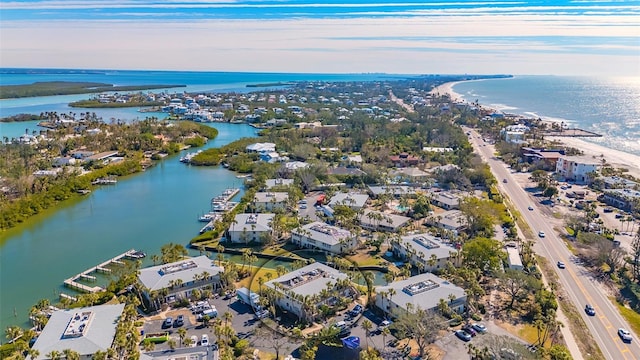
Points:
(607, 106)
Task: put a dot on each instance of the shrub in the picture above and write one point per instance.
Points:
(476, 317)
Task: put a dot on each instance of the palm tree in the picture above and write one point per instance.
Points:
(54, 355)
(385, 332)
(182, 333)
(13, 333)
(366, 326)
(71, 354)
(33, 353)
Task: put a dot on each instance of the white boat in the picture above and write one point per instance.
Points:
(207, 217)
(187, 158)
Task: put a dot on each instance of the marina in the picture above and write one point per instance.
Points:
(219, 205)
(105, 181)
(73, 283)
(187, 158)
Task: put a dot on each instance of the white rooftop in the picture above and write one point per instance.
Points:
(422, 291)
(426, 245)
(308, 280)
(323, 233)
(160, 276)
(84, 330)
(252, 222)
(349, 199)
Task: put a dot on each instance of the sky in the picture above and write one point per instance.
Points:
(580, 37)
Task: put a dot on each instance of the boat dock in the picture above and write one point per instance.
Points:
(226, 195)
(105, 181)
(219, 205)
(73, 283)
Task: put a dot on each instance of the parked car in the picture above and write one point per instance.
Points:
(194, 341)
(384, 324)
(561, 265)
(167, 323)
(205, 340)
(262, 314)
(356, 310)
(462, 335)
(625, 335)
(179, 321)
(608, 210)
(469, 330)
(479, 328)
(590, 310)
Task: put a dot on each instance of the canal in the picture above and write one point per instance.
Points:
(143, 211)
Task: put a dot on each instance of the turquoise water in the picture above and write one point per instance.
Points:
(607, 106)
(144, 211)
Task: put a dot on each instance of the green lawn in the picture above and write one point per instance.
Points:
(631, 316)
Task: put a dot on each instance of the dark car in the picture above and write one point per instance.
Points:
(469, 329)
(590, 310)
(167, 323)
(479, 328)
(463, 335)
(356, 310)
(179, 321)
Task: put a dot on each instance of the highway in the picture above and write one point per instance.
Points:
(574, 279)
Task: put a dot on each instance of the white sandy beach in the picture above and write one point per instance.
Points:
(617, 158)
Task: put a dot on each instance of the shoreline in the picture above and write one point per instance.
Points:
(617, 158)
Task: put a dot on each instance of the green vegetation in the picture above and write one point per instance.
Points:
(26, 195)
(48, 88)
(21, 117)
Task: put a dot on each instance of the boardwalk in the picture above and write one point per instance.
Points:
(73, 283)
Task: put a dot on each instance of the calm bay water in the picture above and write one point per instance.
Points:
(144, 211)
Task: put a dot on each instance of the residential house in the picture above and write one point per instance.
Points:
(85, 330)
(379, 221)
(424, 291)
(271, 183)
(345, 171)
(513, 258)
(576, 168)
(549, 157)
(353, 200)
(411, 174)
(248, 228)
(446, 200)
(324, 237)
(304, 290)
(168, 282)
(426, 252)
(270, 201)
(396, 191)
(404, 160)
(514, 133)
(64, 161)
(261, 148)
(452, 220)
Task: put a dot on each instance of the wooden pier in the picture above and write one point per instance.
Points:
(73, 283)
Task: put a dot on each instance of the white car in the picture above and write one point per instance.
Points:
(530, 208)
(541, 233)
(205, 340)
(625, 335)
(194, 341)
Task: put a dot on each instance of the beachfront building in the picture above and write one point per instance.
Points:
(623, 199)
(425, 291)
(246, 228)
(84, 330)
(576, 168)
(424, 251)
(514, 133)
(547, 157)
(177, 280)
(616, 182)
(380, 221)
(304, 291)
(353, 200)
(270, 201)
(324, 237)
